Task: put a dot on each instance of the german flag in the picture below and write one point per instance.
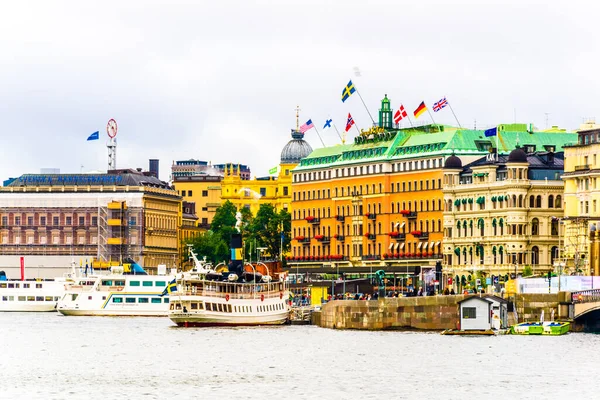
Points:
(420, 110)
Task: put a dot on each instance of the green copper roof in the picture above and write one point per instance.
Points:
(429, 140)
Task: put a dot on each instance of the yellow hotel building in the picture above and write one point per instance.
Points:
(266, 190)
(377, 203)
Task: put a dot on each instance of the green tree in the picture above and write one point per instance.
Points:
(527, 271)
(210, 245)
(223, 223)
(267, 227)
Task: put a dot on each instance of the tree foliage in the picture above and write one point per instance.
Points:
(223, 223)
(212, 246)
(267, 229)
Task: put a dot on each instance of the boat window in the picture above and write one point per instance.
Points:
(119, 283)
(4, 298)
(74, 296)
(228, 307)
(220, 307)
(3, 285)
(48, 298)
(26, 285)
(117, 299)
(38, 285)
(160, 283)
(172, 306)
(156, 300)
(209, 306)
(10, 285)
(178, 306)
(56, 298)
(166, 300)
(130, 300)
(194, 306)
(89, 297)
(134, 283)
(39, 298)
(107, 283)
(103, 297)
(146, 283)
(143, 300)
(21, 298)
(30, 298)
(200, 306)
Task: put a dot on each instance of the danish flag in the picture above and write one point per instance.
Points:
(401, 113)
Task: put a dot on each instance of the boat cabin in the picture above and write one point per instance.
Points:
(483, 313)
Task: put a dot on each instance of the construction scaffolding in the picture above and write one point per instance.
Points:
(119, 233)
(576, 246)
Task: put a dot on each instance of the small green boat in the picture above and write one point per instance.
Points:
(553, 328)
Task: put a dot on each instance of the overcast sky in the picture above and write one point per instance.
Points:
(219, 80)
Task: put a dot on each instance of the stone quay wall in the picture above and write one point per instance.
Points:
(425, 313)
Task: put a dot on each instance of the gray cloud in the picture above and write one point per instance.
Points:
(219, 81)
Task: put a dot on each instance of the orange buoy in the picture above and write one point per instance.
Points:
(226, 297)
(262, 297)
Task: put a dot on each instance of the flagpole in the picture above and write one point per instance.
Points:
(319, 135)
(338, 133)
(361, 99)
(450, 105)
(429, 112)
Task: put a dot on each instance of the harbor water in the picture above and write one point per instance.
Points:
(48, 356)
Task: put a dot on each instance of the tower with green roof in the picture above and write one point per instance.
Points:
(385, 114)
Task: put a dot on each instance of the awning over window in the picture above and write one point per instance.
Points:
(402, 226)
(396, 246)
(425, 246)
(402, 245)
(391, 245)
(419, 245)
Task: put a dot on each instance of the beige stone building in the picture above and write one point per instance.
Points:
(582, 202)
(502, 213)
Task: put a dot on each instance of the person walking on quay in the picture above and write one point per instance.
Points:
(452, 293)
(446, 292)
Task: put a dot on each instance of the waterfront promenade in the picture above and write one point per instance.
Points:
(442, 312)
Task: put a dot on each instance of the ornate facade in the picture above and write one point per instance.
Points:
(378, 202)
(502, 213)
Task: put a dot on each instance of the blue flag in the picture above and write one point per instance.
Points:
(328, 123)
(94, 136)
(171, 287)
(348, 90)
(491, 132)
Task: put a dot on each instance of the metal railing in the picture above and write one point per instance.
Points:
(586, 296)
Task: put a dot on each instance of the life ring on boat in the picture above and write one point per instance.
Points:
(262, 297)
(280, 295)
(226, 297)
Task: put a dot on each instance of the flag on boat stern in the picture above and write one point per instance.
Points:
(171, 287)
(94, 136)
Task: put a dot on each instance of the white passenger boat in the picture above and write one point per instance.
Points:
(232, 297)
(118, 294)
(39, 295)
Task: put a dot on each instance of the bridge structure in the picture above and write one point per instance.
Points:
(584, 303)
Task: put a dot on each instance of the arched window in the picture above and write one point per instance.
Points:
(554, 227)
(535, 255)
(538, 202)
(520, 200)
(551, 201)
(553, 254)
(535, 227)
(558, 202)
(531, 201)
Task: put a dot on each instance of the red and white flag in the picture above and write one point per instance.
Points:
(349, 122)
(401, 113)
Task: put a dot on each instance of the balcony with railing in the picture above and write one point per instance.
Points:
(583, 167)
(371, 216)
(340, 218)
(339, 237)
(313, 220)
(398, 235)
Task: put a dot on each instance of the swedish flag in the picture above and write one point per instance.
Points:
(171, 287)
(348, 90)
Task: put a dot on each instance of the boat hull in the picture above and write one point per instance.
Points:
(211, 319)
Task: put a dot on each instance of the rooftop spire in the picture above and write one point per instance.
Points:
(297, 118)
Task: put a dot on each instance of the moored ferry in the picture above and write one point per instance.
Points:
(118, 294)
(33, 295)
(234, 296)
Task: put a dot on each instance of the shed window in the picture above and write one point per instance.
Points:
(469, 312)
